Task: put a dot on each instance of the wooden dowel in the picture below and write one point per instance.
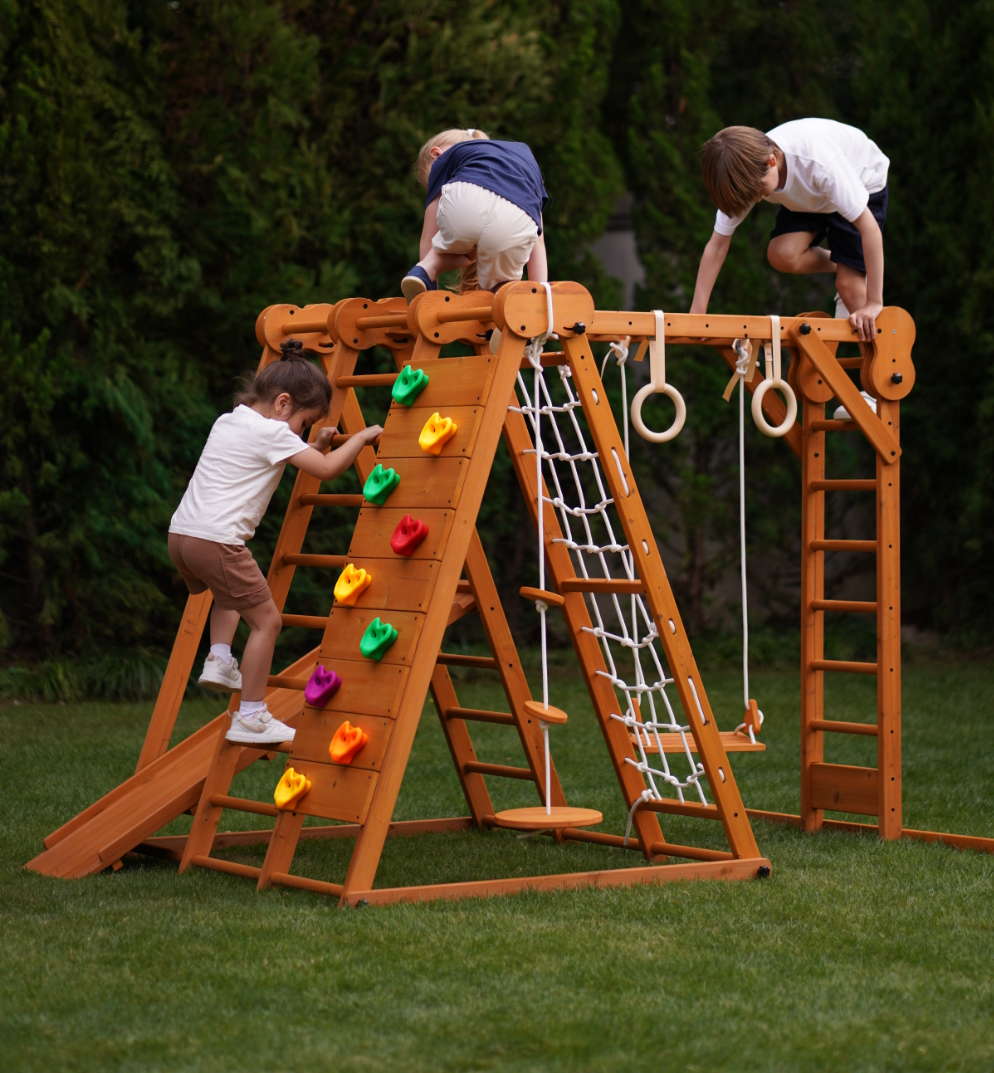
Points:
(682, 808)
(369, 380)
(453, 659)
(693, 852)
(861, 485)
(305, 327)
(330, 499)
(850, 363)
(450, 316)
(479, 715)
(857, 607)
(315, 886)
(330, 561)
(832, 426)
(577, 834)
(284, 681)
(215, 865)
(843, 666)
(242, 804)
(305, 622)
(502, 770)
(385, 320)
(832, 726)
(619, 586)
(844, 545)
(339, 440)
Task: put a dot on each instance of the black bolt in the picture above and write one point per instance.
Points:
(805, 329)
(763, 873)
(896, 378)
(579, 328)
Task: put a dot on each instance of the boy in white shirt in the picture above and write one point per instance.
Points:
(829, 179)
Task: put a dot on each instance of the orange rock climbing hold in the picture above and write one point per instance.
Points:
(436, 434)
(290, 789)
(350, 584)
(348, 740)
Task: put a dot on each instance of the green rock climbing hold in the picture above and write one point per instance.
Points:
(379, 484)
(409, 385)
(379, 636)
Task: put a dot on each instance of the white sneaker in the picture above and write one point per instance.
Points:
(220, 676)
(259, 728)
(495, 341)
(842, 414)
(841, 313)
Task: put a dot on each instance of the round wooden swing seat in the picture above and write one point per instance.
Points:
(537, 819)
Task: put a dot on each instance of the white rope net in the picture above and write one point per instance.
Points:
(628, 637)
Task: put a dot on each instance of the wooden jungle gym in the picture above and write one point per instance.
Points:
(608, 582)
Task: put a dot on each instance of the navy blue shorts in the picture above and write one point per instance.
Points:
(845, 243)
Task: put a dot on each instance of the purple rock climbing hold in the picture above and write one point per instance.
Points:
(321, 686)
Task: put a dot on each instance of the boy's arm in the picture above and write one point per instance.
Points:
(327, 467)
(430, 229)
(864, 320)
(711, 261)
(538, 262)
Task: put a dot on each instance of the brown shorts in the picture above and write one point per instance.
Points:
(228, 570)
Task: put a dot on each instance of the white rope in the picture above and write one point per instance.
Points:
(620, 352)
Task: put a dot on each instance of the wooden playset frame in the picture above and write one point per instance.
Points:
(427, 593)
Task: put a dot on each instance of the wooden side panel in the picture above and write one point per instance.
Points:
(315, 730)
(404, 424)
(368, 688)
(454, 382)
(346, 625)
(426, 482)
(398, 584)
(377, 524)
(843, 788)
(337, 793)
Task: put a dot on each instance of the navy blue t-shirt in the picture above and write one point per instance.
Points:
(506, 168)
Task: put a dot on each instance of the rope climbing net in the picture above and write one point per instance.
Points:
(576, 490)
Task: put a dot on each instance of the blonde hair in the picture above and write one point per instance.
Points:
(734, 163)
(449, 137)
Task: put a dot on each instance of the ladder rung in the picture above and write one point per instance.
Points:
(850, 363)
(316, 886)
(454, 316)
(305, 622)
(384, 320)
(462, 585)
(285, 681)
(834, 426)
(474, 766)
(620, 586)
(452, 659)
(843, 666)
(831, 726)
(551, 598)
(549, 358)
(246, 870)
(369, 380)
(867, 607)
(843, 545)
(479, 715)
(332, 561)
(339, 440)
(242, 804)
(844, 486)
(330, 499)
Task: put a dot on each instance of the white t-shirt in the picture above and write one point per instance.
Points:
(236, 476)
(831, 167)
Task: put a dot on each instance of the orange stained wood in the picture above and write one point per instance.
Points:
(309, 326)
(716, 329)
(522, 308)
(553, 599)
(453, 382)
(376, 526)
(892, 372)
(732, 740)
(346, 626)
(404, 425)
(537, 819)
(349, 312)
(537, 710)
(446, 318)
(316, 729)
(843, 788)
(368, 687)
(399, 584)
(337, 792)
(773, 406)
(427, 482)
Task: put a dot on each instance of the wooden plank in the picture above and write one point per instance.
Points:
(398, 584)
(315, 729)
(844, 788)
(336, 793)
(604, 586)
(404, 424)
(346, 626)
(368, 688)
(620, 877)
(426, 482)
(714, 328)
(376, 526)
(453, 382)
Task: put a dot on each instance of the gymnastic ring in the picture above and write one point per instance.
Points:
(681, 413)
(757, 408)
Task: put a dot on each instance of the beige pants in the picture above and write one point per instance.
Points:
(502, 233)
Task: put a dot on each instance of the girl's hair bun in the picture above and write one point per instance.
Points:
(292, 348)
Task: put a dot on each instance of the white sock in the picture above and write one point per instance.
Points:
(248, 708)
(841, 313)
(222, 652)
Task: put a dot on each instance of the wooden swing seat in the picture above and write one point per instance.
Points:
(537, 819)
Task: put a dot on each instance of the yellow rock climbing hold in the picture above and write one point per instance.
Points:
(436, 434)
(350, 584)
(290, 789)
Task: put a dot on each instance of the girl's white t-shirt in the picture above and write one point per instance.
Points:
(831, 167)
(236, 476)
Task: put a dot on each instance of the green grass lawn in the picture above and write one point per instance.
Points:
(855, 955)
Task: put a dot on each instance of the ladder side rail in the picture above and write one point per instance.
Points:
(661, 601)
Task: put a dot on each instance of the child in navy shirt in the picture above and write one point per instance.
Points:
(484, 206)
